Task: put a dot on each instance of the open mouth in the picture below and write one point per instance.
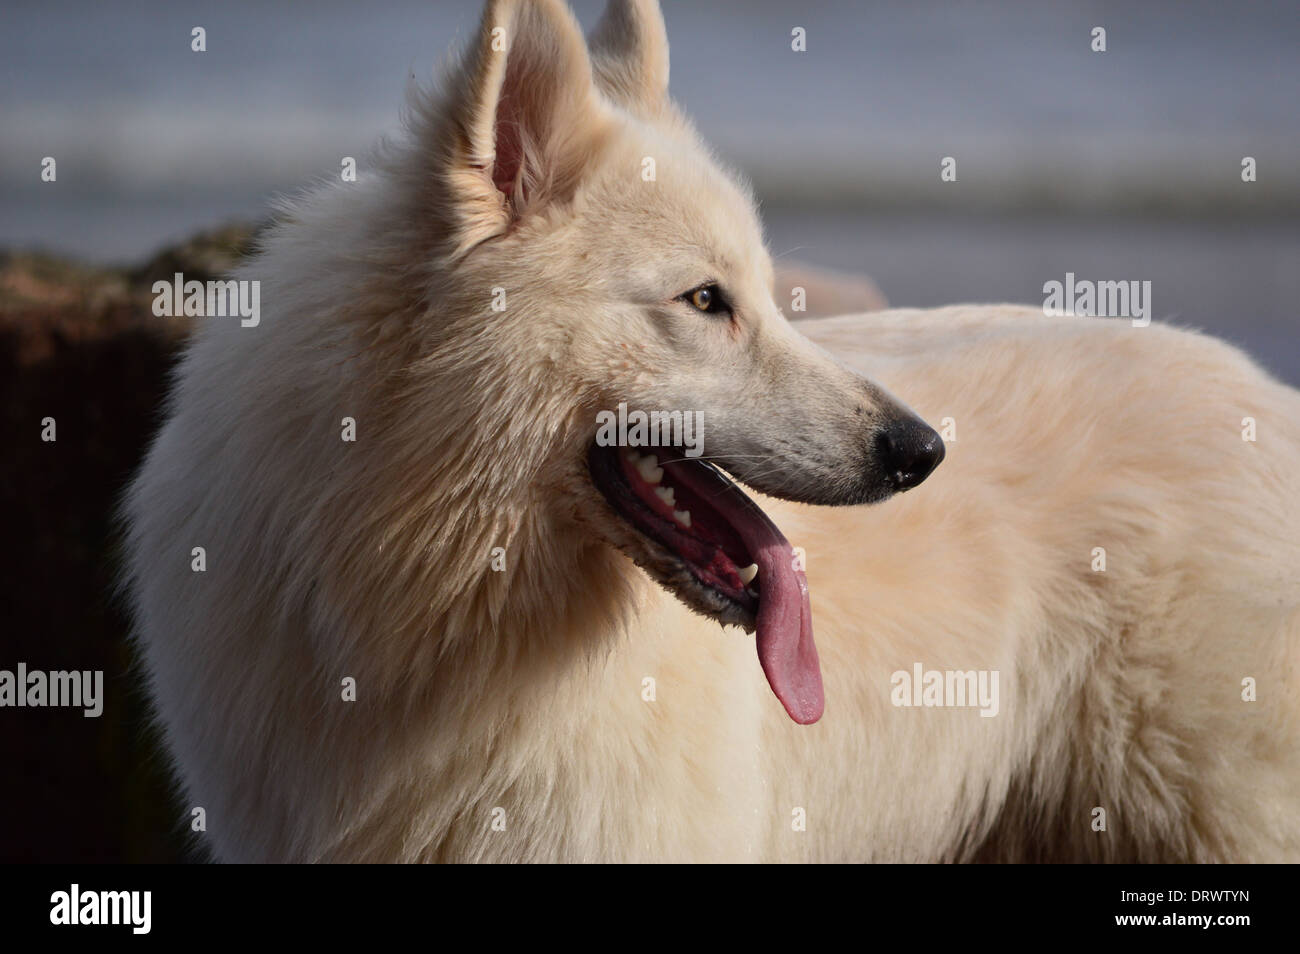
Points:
(722, 555)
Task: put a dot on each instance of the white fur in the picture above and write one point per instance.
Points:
(522, 690)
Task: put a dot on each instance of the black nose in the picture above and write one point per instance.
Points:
(909, 450)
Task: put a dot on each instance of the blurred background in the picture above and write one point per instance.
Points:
(1117, 165)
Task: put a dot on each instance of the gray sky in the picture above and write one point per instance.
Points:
(154, 140)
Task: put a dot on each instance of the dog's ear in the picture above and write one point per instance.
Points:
(522, 119)
(629, 51)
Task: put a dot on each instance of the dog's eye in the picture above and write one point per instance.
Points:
(707, 298)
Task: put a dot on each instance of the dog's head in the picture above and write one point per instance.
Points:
(580, 216)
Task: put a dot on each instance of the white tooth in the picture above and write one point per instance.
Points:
(631, 455)
(748, 573)
(649, 469)
(683, 517)
(667, 495)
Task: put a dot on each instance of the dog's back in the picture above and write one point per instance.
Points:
(1102, 535)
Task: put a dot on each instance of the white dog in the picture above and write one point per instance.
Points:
(438, 619)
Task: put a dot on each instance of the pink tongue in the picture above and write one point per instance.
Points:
(785, 640)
